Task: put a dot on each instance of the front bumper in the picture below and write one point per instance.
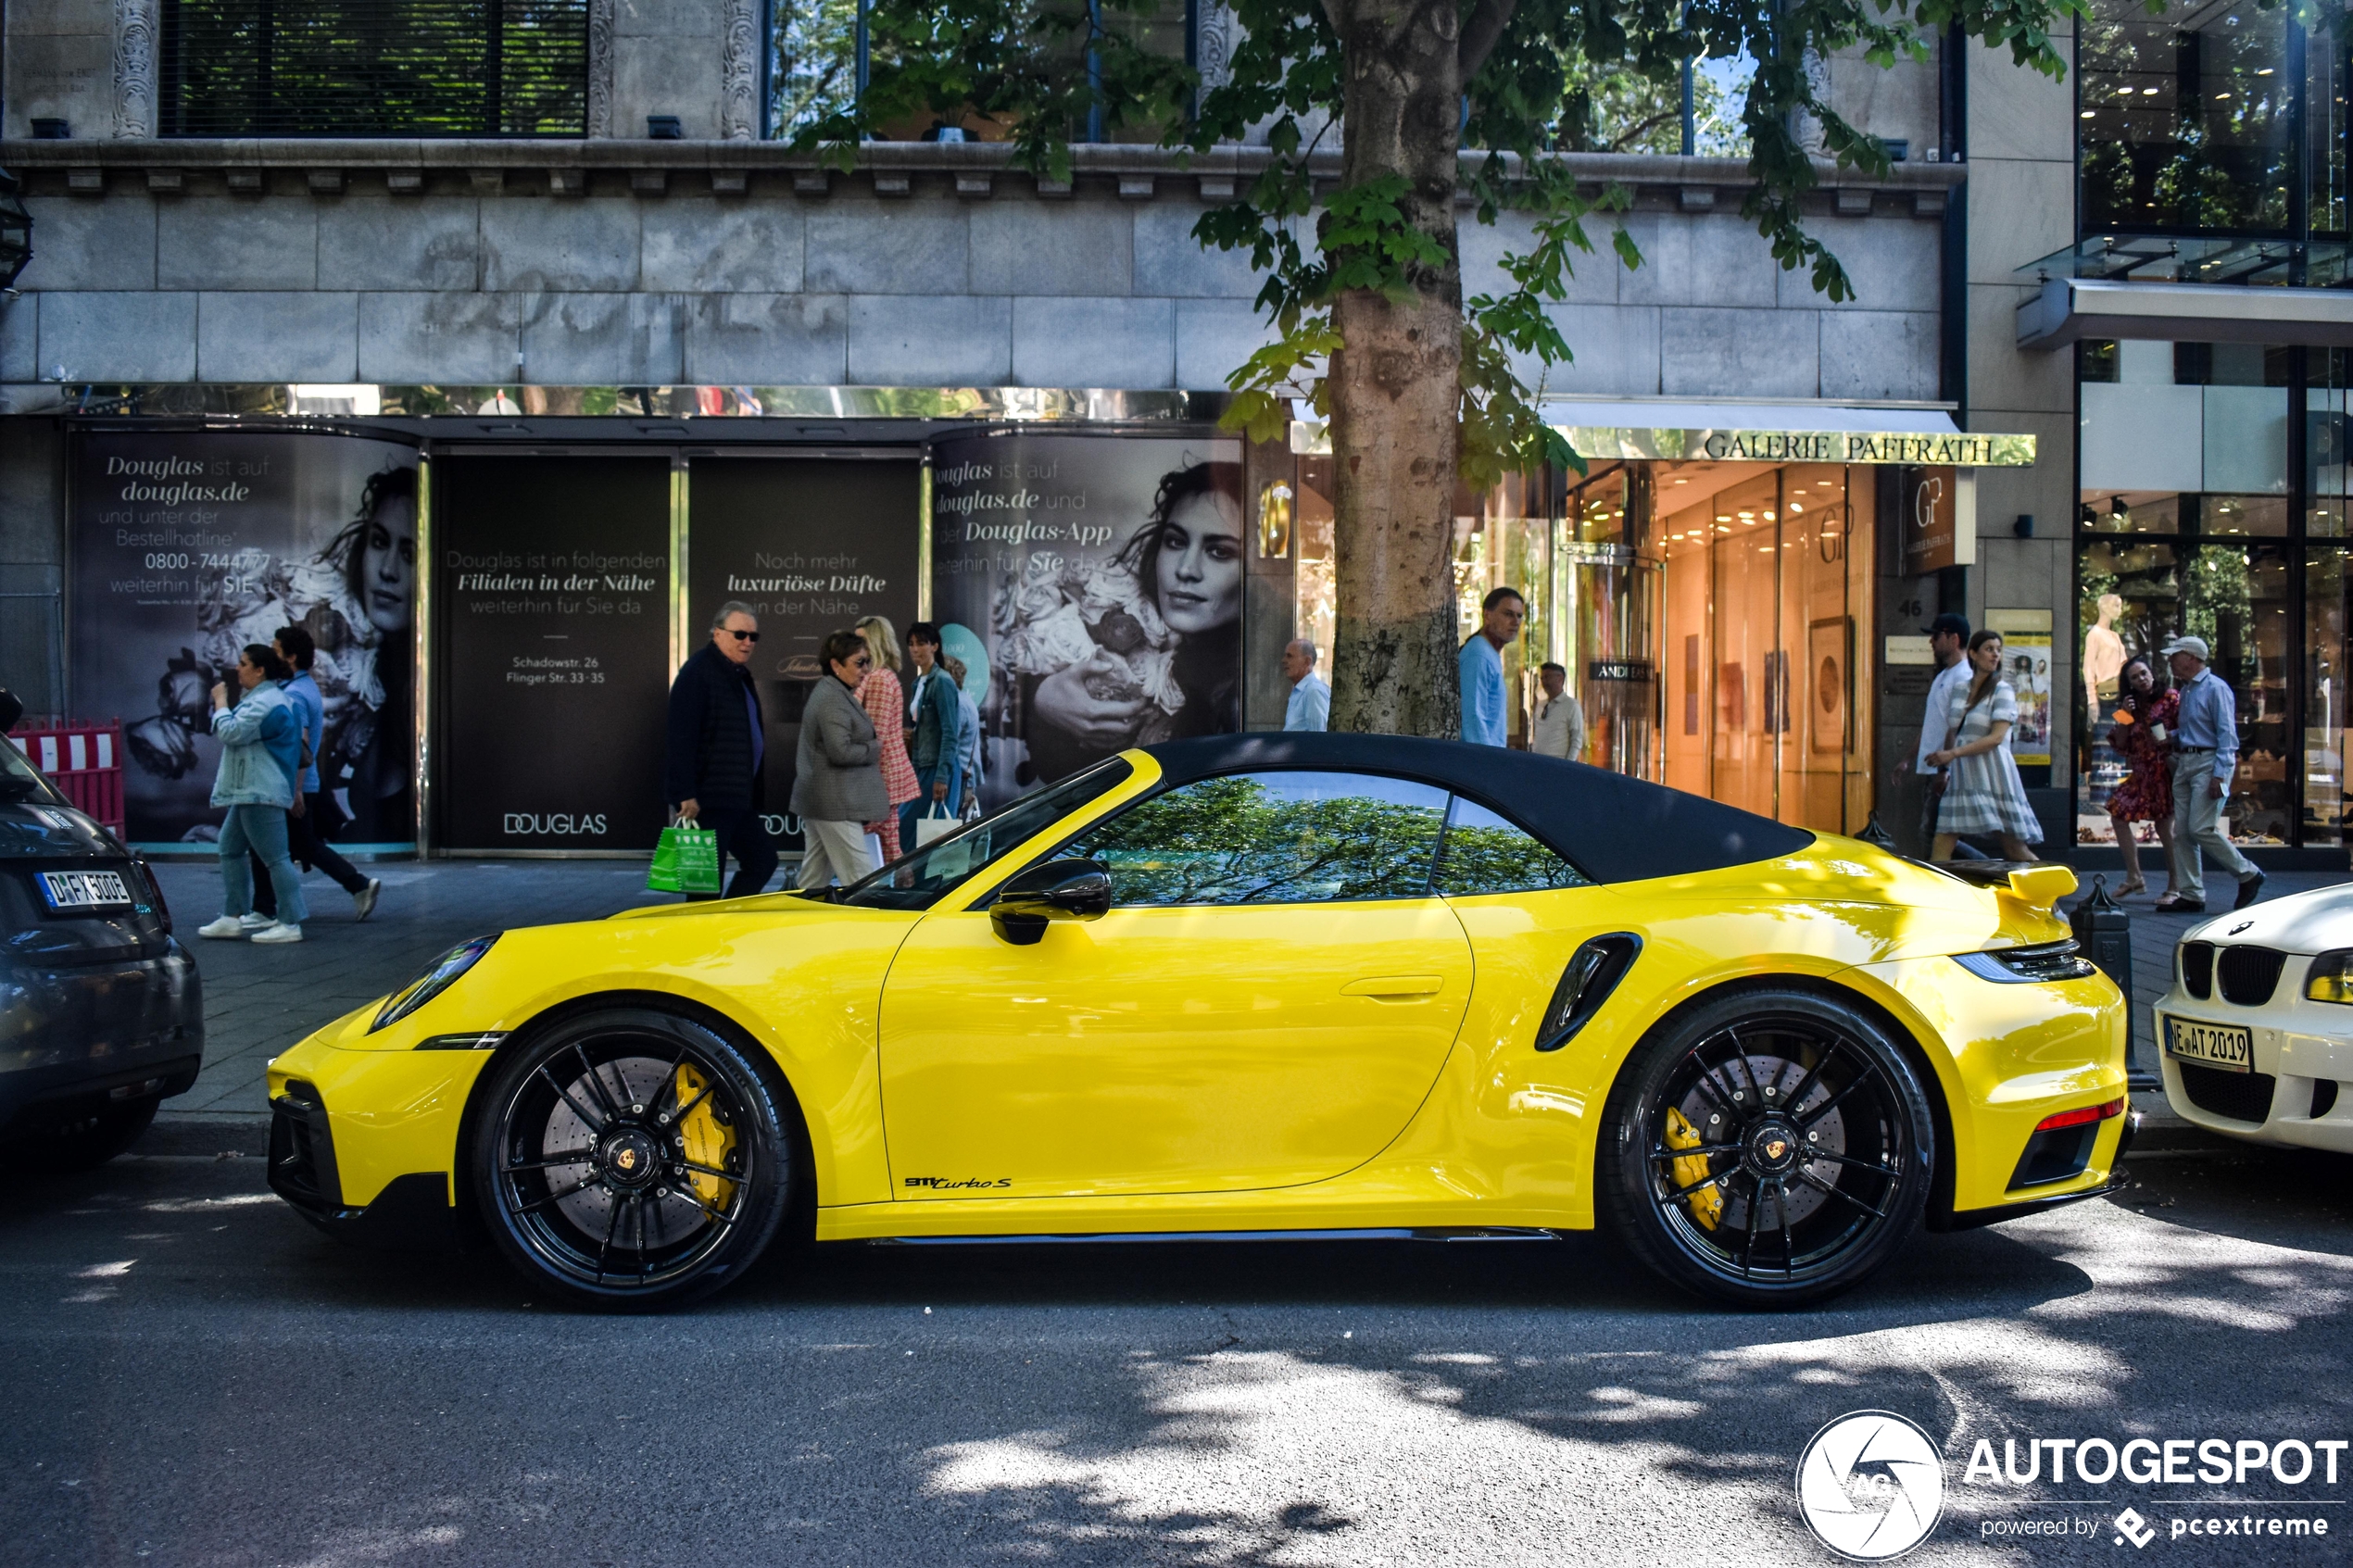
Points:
(409, 1213)
(78, 1039)
(2299, 1093)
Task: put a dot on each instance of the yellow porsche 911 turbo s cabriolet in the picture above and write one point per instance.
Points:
(1260, 982)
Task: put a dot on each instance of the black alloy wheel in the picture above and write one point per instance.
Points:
(1770, 1149)
(632, 1160)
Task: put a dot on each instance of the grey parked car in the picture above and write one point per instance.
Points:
(101, 1014)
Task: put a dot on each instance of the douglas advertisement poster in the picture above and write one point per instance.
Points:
(813, 545)
(1092, 586)
(186, 547)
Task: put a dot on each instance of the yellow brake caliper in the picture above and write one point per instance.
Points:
(1707, 1203)
(707, 1142)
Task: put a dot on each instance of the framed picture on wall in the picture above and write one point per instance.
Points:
(1829, 662)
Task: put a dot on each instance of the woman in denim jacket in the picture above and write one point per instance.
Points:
(260, 758)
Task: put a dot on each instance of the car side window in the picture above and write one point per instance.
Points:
(1486, 853)
(1272, 838)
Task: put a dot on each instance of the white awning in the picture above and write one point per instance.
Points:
(1676, 429)
(1759, 431)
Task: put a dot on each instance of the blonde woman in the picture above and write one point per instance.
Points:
(884, 698)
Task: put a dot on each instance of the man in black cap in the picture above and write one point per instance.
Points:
(1948, 637)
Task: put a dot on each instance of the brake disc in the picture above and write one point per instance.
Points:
(633, 1081)
(1754, 1086)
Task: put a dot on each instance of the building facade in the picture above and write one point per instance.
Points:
(633, 375)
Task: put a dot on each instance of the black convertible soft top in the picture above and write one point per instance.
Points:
(1610, 827)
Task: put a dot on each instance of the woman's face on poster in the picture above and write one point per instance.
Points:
(1199, 566)
(388, 564)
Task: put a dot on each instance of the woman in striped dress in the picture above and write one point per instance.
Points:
(884, 698)
(1984, 793)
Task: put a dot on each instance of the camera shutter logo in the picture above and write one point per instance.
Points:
(1870, 1486)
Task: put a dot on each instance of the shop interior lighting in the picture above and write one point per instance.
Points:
(2265, 71)
(2087, 114)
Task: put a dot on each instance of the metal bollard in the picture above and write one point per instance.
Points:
(2104, 935)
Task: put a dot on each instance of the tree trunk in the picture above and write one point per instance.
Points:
(1396, 387)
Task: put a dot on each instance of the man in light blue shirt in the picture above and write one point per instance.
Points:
(1480, 666)
(1311, 698)
(2206, 757)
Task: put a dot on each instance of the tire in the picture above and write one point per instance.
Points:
(88, 1142)
(630, 1160)
(1703, 1171)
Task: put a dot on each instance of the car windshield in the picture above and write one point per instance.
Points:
(920, 880)
(20, 781)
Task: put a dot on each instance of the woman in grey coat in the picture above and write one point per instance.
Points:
(839, 785)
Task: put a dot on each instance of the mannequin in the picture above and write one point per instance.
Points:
(2103, 653)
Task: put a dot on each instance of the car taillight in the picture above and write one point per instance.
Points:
(154, 891)
(2080, 1115)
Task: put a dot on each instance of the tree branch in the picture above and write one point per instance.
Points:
(1481, 33)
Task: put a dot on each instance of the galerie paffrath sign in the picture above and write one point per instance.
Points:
(1957, 450)
(1951, 449)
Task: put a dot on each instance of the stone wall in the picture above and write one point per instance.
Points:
(716, 263)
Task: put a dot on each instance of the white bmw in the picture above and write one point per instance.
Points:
(2256, 1035)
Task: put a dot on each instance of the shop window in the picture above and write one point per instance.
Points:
(2183, 117)
(2325, 692)
(1316, 588)
(2133, 597)
(2095, 359)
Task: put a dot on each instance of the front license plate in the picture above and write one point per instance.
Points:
(83, 890)
(2225, 1045)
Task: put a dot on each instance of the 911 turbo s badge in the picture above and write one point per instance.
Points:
(942, 1184)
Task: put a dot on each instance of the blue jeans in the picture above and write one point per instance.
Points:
(259, 830)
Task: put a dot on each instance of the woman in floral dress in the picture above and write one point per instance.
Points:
(884, 698)
(2142, 736)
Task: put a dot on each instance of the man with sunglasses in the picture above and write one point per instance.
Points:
(718, 746)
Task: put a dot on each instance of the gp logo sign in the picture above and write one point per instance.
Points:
(1870, 1486)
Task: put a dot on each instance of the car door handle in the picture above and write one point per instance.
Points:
(1395, 986)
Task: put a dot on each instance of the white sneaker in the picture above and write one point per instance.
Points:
(227, 925)
(363, 903)
(255, 921)
(279, 933)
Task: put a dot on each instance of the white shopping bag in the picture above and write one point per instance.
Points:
(934, 824)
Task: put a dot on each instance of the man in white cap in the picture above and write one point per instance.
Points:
(2205, 759)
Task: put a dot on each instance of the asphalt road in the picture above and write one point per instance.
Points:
(188, 1375)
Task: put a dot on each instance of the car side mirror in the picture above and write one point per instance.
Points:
(10, 710)
(1057, 890)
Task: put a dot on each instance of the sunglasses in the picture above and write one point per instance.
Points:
(743, 636)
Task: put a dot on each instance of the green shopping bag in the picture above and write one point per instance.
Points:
(686, 860)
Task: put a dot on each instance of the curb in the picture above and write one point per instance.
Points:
(185, 1133)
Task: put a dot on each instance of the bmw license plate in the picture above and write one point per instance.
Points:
(83, 890)
(2226, 1046)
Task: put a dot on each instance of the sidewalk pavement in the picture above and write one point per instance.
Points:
(258, 1001)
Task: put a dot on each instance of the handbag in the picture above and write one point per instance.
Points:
(934, 824)
(685, 861)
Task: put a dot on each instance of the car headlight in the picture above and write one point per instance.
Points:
(438, 977)
(2331, 977)
(2027, 966)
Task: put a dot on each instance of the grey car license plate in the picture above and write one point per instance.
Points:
(2226, 1046)
(83, 890)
